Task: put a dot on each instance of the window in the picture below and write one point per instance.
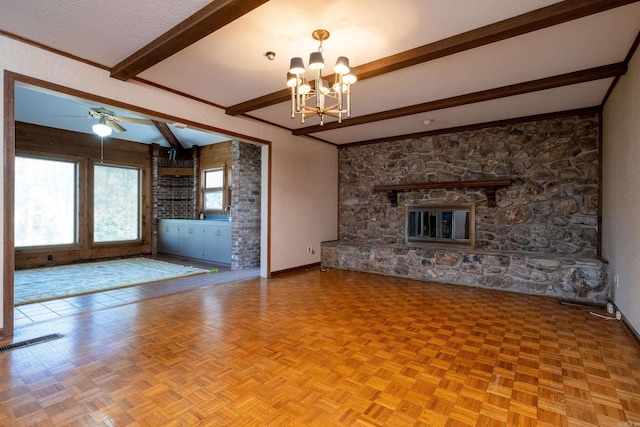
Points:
(214, 197)
(116, 204)
(45, 202)
(441, 224)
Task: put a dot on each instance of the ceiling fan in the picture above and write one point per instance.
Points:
(108, 121)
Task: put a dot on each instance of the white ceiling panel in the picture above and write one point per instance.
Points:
(566, 98)
(229, 67)
(360, 30)
(512, 61)
(102, 32)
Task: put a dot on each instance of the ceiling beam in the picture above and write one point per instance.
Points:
(210, 18)
(558, 13)
(168, 135)
(576, 77)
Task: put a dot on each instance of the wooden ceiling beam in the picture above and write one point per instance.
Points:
(558, 13)
(576, 77)
(207, 20)
(168, 135)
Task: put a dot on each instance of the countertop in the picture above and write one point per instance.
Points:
(196, 222)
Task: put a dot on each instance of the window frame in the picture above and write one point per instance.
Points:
(225, 189)
(80, 187)
(32, 140)
(419, 238)
(92, 200)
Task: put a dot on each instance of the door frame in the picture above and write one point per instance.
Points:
(10, 81)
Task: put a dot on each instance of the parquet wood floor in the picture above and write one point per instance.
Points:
(326, 349)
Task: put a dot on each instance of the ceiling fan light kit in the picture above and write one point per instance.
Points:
(108, 121)
(101, 128)
(332, 101)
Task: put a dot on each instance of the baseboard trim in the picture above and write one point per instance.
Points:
(630, 329)
(296, 269)
(634, 334)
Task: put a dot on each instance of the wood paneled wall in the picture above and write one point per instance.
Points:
(86, 149)
(214, 156)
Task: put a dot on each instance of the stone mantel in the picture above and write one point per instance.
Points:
(489, 184)
(567, 278)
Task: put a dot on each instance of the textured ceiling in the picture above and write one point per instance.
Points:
(555, 63)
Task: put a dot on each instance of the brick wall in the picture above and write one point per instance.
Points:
(174, 197)
(245, 206)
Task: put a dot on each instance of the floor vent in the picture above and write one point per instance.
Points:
(29, 342)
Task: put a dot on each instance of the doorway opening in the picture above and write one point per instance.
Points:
(16, 83)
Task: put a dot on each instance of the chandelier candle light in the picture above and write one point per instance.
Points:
(302, 92)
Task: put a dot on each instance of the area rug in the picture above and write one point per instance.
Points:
(42, 284)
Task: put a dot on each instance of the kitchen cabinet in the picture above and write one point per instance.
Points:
(205, 240)
(191, 241)
(217, 246)
(168, 238)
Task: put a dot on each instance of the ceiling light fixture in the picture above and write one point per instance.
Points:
(101, 128)
(302, 92)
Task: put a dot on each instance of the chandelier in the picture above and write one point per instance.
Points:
(320, 99)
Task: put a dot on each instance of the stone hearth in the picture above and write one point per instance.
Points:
(575, 279)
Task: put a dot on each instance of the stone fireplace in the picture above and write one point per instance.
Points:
(538, 234)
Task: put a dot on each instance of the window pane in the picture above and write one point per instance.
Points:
(447, 221)
(214, 178)
(461, 225)
(116, 204)
(45, 202)
(413, 219)
(433, 218)
(213, 200)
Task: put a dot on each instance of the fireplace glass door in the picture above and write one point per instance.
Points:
(442, 224)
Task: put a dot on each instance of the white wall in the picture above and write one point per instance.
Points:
(621, 192)
(304, 180)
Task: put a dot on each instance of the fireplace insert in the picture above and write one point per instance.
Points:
(451, 224)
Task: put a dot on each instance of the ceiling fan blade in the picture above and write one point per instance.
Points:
(81, 106)
(96, 112)
(115, 126)
(133, 120)
(69, 115)
(102, 111)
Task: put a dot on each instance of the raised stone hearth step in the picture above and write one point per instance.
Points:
(575, 279)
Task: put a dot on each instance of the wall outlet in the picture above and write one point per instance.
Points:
(609, 308)
(310, 249)
(618, 315)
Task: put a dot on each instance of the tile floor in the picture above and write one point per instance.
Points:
(52, 309)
